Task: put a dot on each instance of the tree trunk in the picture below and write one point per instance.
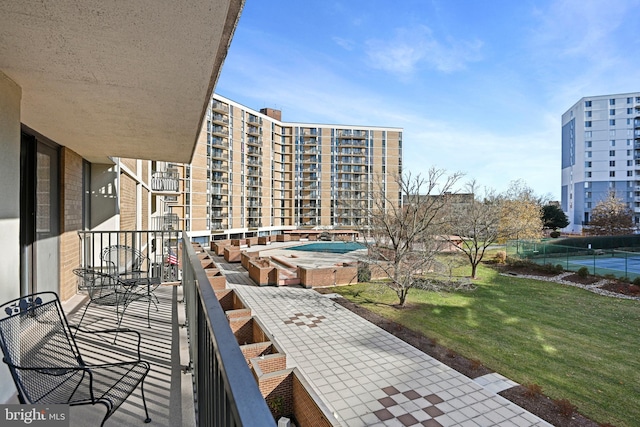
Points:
(474, 267)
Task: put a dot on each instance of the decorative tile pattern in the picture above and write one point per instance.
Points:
(301, 319)
(425, 403)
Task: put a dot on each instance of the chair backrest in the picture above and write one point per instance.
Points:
(123, 259)
(97, 284)
(34, 333)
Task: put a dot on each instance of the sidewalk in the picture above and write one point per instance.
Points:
(366, 376)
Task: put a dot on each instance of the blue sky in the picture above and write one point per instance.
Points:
(478, 86)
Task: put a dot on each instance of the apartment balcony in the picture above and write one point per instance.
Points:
(220, 119)
(219, 178)
(218, 191)
(254, 213)
(219, 154)
(254, 161)
(311, 151)
(254, 204)
(221, 131)
(359, 134)
(351, 143)
(254, 140)
(254, 223)
(166, 222)
(309, 132)
(219, 225)
(165, 181)
(219, 107)
(254, 193)
(219, 165)
(198, 376)
(254, 131)
(252, 171)
(219, 203)
(219, 141)
(254, 151)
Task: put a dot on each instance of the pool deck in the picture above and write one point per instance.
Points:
(306, 259)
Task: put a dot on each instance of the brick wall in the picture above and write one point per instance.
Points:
(318, 277)
(145, 207)
(277, 391)
(255, 350)
(242, 328)
(128, 201)
(305, 409)
(271, 363)
(71, 221)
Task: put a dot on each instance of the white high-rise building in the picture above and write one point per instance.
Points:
(600, 153)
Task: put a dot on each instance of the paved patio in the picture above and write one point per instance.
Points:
(366, 376)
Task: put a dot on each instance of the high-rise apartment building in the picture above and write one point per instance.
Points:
(600, 153)
(253, 174)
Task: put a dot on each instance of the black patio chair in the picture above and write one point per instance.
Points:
(133, 268)
(47, 367)
(108, 290)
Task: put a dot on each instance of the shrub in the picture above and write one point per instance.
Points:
(501, 257)
(583, 272)
(364, 273)
(636, 281)
(565, 407)
(533, 390)
(554, 234)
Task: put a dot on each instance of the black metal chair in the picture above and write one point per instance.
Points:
(106, 290)
(45, 361)
(133, 269)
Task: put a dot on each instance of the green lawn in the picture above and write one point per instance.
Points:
(573, 343)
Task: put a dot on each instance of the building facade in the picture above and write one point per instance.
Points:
(600, 153)
(253, 174)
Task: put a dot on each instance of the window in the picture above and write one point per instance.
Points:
(587, 103)
(629, 162)
(637, 98)
(628, 142)
(612, 122)
(587, 124)
(612, 101)
(587, 154)
(587, 164)
(612, 174)
(629, 173)
(612, 163)
(629, 100)
(588, 134)
(612, 153)
(612, 143)
(587, 185)
(587, 174)
(628, 121)
(587, 114)
(588, 205)
(587, 194)
(629, 110)
(612, 112)
(587, 144)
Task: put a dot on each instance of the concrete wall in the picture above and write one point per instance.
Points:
(10, 96)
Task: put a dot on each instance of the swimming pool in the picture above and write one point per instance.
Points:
(330, 247)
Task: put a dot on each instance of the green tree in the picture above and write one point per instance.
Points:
(553, 217)
(610, 217)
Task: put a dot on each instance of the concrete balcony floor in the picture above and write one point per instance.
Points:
(168, 391)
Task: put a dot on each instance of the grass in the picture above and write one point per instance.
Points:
(575, 344)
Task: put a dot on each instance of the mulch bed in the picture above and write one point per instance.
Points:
(538, 404)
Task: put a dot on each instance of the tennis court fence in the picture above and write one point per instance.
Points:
(601, 262)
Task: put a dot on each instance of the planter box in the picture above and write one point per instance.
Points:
(232, 254)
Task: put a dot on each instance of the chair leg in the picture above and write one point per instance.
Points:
(82, 317)
(147, 420)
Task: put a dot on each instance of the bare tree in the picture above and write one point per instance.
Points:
(403, 237)
(475, 225)
(610, 217)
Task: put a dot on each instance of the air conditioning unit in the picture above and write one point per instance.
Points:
(284, 422)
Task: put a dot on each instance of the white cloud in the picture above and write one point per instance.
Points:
(344, 43)
(410, 48)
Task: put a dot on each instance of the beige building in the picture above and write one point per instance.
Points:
(253, 174)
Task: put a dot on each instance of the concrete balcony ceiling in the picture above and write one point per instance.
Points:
(117, 78)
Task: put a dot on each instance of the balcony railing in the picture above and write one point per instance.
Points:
(165, 181)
